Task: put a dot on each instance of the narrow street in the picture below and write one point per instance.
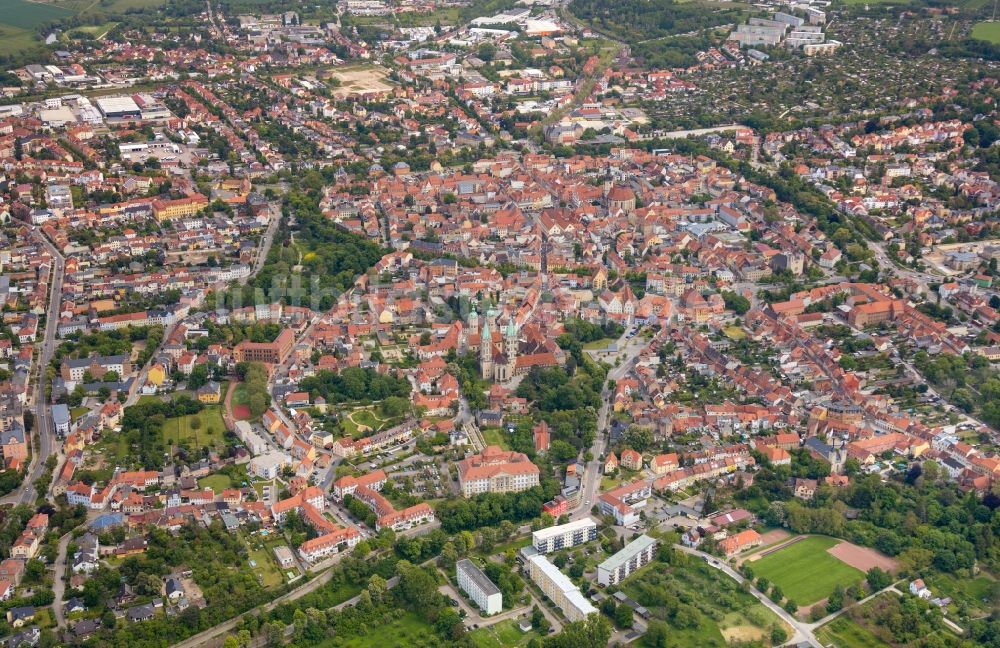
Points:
(59, 582)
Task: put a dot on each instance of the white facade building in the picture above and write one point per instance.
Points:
(564, 536)
(479, 587)
(617, 568)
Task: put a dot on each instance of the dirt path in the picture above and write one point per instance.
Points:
(227, 406)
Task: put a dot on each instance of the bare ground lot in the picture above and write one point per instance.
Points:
(862, 558)
(361, 81)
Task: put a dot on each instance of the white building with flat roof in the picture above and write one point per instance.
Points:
(478, 587)
(564, 536)
(559, 588)
(269, 465)
(617, 568)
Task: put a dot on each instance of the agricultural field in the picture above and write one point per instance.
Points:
(987, 31)
(702, 606)
(505, 634)
(805, 571)
(29, 15)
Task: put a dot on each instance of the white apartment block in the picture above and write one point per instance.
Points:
(617, 568)
(564, 536)
(559, 588)
(478, 587)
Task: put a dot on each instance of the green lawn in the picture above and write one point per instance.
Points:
(987, 31)
(217, 483)
(805, 572)
(495, 436)
(240, 395)
(266, 567)
(405, 631)
(843, 632)
(502, 635)
(77, 412)
(598, 345)
(734, 333)
(211, 432)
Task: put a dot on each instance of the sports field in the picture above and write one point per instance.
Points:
(987, 31)
(805, 571)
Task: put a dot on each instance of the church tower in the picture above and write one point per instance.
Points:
(473, 322)
(486, 352)
(510, 347)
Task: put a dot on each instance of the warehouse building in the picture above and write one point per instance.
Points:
(119, 108)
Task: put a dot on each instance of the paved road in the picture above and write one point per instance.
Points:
(43, 422)
(803, 631)
(592, 472)
(265, 244)
(59, 583)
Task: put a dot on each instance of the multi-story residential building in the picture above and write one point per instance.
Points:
(479, 587)
(559, 588)
(329, 544)
(637, 553)
(496, 471)
(179, 208)
(564, 536)
(347, 484)
(74, 369)
(625, 501)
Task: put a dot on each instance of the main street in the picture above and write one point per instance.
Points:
(25, 494)
(633, 346)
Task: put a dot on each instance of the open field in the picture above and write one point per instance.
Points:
(987, 31)
(502, 635)
(713, 607)
(806, 571)
(361, 80)
(210, 433)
